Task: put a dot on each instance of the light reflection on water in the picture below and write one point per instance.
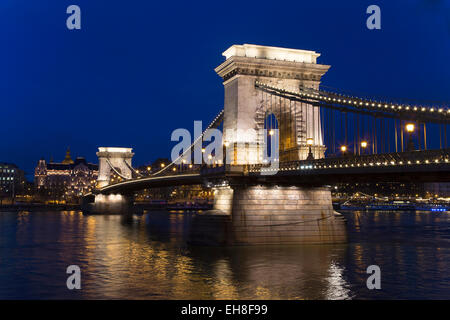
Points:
(146, 257)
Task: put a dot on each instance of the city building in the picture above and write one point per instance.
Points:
(12, 180)
(438, 189)
(65, 181)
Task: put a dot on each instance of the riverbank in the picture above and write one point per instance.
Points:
(139, 207)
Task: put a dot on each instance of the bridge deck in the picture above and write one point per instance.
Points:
(415, 166)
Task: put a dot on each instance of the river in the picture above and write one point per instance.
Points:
(146, 257)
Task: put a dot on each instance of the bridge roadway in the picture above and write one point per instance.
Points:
(415, 166)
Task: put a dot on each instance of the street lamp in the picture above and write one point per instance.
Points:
(364, 145)
(310, 142)
(343, 150)
(271, 132)
(410, 129)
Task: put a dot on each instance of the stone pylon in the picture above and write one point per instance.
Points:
(118, 158)
(246, 107)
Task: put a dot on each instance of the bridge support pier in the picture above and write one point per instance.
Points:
(108, 204)
(262, 215)
(285, 215)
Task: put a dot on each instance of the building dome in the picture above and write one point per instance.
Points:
(67, 159)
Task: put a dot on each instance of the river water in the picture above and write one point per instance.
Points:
(146, 257)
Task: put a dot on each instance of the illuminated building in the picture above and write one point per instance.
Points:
(67, 179)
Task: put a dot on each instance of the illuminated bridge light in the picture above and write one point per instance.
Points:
(426, 161)
(417, 161)
(432, 110)
(392, 162)
(437, 160)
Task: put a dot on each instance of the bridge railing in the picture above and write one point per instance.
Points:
(373, 160)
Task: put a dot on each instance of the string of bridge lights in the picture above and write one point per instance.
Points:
(165, 167)
(352, 165)
(356, 102)
(199, 139)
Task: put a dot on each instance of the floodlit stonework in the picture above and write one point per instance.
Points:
(112, 159)
(259, 213)
(246, 107)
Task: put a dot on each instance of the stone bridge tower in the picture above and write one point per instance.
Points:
(246, 106)
(113, 159)
(258, 212)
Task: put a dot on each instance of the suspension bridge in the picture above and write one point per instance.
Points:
(321, 138)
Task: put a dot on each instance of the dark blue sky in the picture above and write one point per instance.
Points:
(140, 69)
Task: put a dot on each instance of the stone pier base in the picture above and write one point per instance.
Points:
(108, 204)
(253, 215)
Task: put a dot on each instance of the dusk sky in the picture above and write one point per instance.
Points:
(137, 70)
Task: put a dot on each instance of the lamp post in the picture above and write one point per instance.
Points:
(364, 146)
(310, 142)
(343, 150)
(410, 129)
